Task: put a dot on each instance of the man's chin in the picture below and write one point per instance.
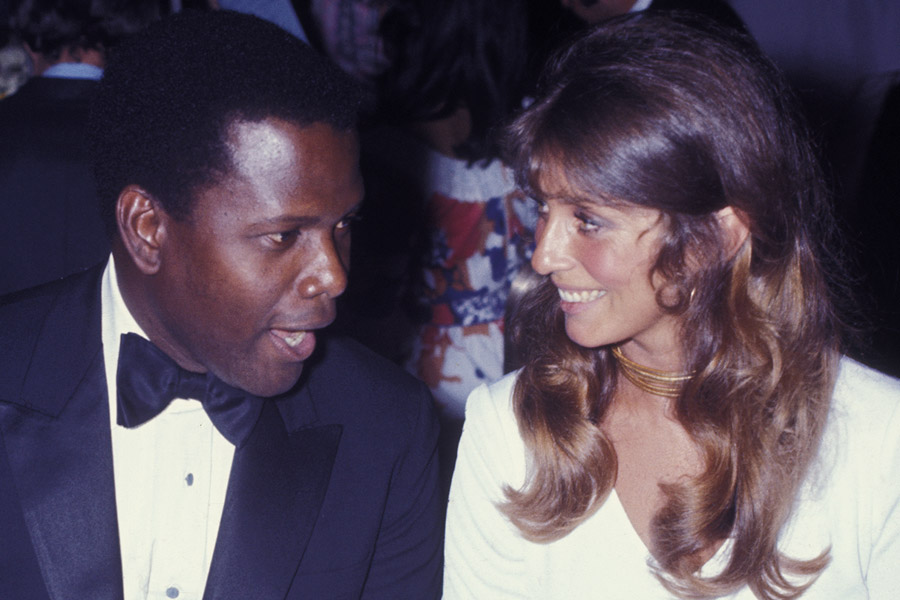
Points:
(272, 386)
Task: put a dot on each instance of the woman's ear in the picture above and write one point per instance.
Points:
(141, 221)
(733, 222)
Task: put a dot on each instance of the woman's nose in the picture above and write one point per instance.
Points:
(552, 251)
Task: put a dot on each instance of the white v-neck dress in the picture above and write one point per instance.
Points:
(850, 502)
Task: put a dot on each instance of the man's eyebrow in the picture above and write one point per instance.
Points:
(288, 220)
(355, 208)
(303, 220)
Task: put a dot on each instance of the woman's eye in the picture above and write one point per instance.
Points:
(542, 208)
(587, 223)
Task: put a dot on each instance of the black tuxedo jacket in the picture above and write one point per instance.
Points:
(335, 494)
(50, 224)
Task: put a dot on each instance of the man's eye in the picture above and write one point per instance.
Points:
(347, 221)
(282, 238)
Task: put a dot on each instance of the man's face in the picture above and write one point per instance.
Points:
(245, 280)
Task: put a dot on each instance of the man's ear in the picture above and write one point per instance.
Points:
(142, 222)
(733, 222)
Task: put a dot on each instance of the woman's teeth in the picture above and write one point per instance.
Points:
(585, 296)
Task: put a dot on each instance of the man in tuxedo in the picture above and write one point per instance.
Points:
(227, 165)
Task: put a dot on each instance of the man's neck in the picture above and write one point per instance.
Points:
(68, 55)
(73, 71)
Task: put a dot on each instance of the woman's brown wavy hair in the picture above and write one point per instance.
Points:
(679, 115)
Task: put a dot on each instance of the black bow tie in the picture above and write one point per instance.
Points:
(147, 380)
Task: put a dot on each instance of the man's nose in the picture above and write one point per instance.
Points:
(326, 273)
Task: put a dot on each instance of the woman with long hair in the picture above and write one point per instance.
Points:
(685, 424)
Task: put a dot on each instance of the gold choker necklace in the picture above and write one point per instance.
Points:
(654, 381)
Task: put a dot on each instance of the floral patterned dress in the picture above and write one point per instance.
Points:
(480, 229)
(450, 238)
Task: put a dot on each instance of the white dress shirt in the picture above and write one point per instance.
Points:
(171, 474)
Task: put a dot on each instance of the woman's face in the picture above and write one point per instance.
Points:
(600, 255)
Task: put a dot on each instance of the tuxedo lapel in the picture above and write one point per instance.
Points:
(277, 485)
(64, 475)
(57, 438)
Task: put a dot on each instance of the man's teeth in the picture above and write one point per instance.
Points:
(585, 296)
(294, 339)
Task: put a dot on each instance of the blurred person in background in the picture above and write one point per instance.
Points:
(50, 224)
